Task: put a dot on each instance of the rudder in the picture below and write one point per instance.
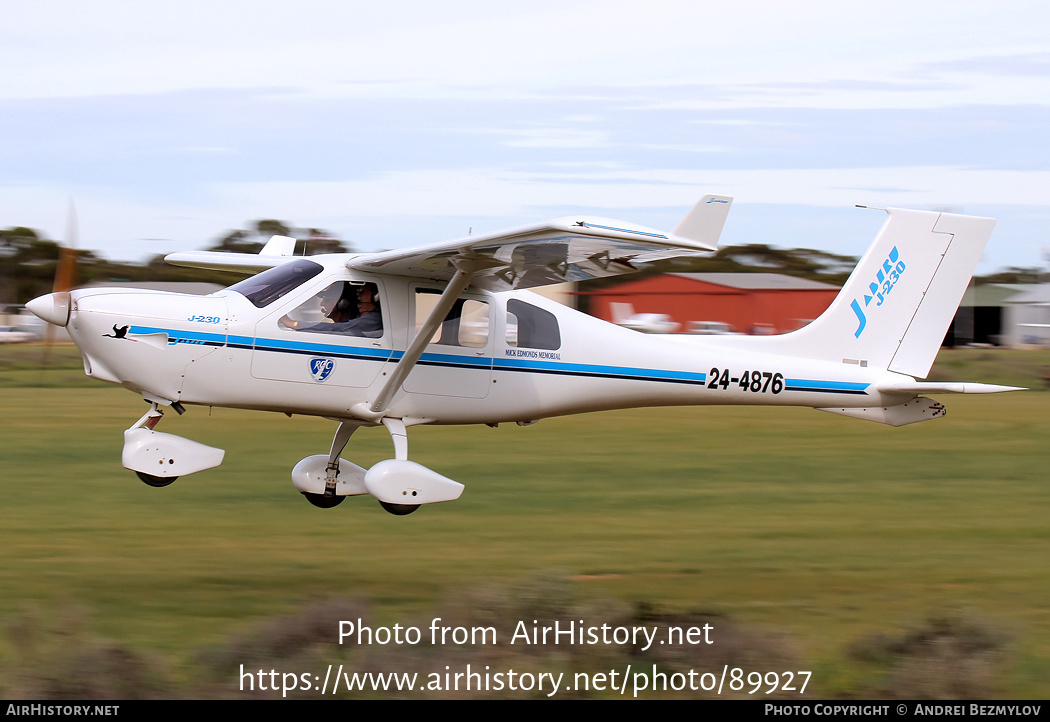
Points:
(918, 349)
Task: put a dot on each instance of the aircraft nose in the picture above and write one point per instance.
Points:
(53, 308)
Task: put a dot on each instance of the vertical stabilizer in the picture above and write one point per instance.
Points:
(897, 304)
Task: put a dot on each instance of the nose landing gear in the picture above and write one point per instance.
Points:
(159, 459)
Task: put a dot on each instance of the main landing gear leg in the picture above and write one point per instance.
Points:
(399, 436)
(329, 499)
(402, 486)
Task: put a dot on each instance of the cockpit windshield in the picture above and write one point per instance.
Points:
(264, 288)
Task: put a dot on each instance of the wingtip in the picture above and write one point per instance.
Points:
(703, 225)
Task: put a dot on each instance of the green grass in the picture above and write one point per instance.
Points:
(1030, 368)
(790, 522)
(40, 365)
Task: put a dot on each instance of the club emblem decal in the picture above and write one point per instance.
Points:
(321, 368)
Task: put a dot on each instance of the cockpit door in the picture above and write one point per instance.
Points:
(334, 334)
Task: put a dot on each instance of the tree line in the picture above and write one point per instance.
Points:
(29, 261)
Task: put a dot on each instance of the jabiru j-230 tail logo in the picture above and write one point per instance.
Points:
(887, 277)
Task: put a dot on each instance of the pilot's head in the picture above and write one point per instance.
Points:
(330, 297)
(338, 302)
(367, 297)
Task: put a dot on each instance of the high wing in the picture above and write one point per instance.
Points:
(278, 250)
(566, 249)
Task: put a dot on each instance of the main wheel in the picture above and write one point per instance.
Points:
(399, 509)
(156, 481)
(323, 502)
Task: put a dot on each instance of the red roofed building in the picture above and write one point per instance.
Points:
(750, 302)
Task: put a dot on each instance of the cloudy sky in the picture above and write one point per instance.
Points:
(408, 122)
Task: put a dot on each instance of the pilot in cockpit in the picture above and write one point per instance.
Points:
(350, 309)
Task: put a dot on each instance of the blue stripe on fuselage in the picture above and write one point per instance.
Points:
(591, 370)
(514, 365)
(825, 387)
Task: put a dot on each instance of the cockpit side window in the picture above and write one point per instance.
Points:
(264, 288)
(531, 327)
(346, 308)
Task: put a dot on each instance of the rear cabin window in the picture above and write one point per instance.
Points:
(264, 288)
(529, 326)
(466, 324)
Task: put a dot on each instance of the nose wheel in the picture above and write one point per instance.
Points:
(147, 451)
(150, 421)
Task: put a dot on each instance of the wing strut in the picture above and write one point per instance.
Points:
(465, 269)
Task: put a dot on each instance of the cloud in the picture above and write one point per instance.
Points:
(399, 122)
(496, 192)
(1035, 64)
(551, 137)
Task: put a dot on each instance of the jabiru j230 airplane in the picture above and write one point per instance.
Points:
(449, 334)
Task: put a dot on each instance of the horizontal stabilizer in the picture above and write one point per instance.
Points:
(926, 387)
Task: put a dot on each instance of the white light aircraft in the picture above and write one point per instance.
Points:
(448, 334)
(623, 315)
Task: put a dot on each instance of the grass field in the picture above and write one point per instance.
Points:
(829, 542)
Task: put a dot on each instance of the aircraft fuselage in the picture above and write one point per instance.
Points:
(515, 357)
